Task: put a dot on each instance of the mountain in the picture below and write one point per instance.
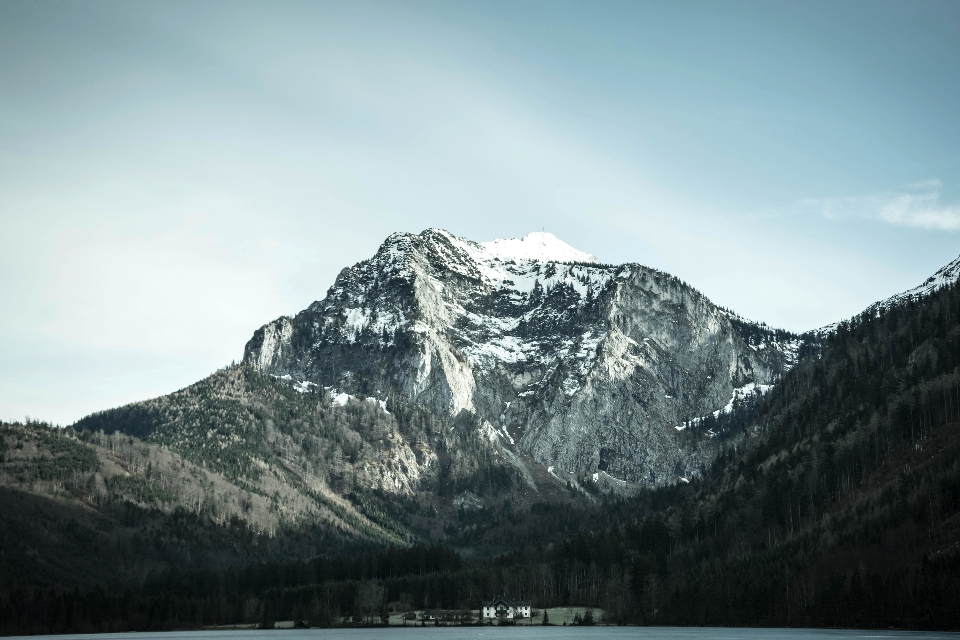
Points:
(441, 388)
(585, 367)
(946, 276)
(302, 484)
(843, 509)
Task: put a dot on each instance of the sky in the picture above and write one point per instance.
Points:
(174, 175)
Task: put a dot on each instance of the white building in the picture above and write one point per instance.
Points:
(505, 608)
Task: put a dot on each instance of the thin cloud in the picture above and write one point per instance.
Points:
(918, 207)
(931, 184)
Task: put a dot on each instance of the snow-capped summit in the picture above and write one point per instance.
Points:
(582, 365)
(539, 246)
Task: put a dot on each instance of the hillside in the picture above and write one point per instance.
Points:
(84, 508)
(379, 470)
(843, 510)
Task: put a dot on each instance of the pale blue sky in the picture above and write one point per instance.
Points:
(174, 175)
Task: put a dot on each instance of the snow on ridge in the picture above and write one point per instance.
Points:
(539, 246)
(739, 393)
(945, 276)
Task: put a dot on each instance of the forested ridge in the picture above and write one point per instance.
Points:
(841, 508)
(842, 511)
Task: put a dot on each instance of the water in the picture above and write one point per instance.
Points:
(528, 633)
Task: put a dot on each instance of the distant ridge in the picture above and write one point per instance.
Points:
(945, 276)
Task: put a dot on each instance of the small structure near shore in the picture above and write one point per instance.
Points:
(445, 616)
(504, 608)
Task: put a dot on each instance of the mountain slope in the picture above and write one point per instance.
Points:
(382, 471)
(843, 509)
(286, 443)
(946, 276)
(586, 367)
(81, 508)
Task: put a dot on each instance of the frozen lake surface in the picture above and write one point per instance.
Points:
(531, 633)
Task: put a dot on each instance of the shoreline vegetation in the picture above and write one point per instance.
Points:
(556, 617)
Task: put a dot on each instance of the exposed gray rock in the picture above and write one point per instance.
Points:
(584, 366)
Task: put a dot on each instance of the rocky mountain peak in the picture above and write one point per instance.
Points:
(583, 366)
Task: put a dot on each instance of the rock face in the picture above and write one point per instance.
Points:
(584, 366)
